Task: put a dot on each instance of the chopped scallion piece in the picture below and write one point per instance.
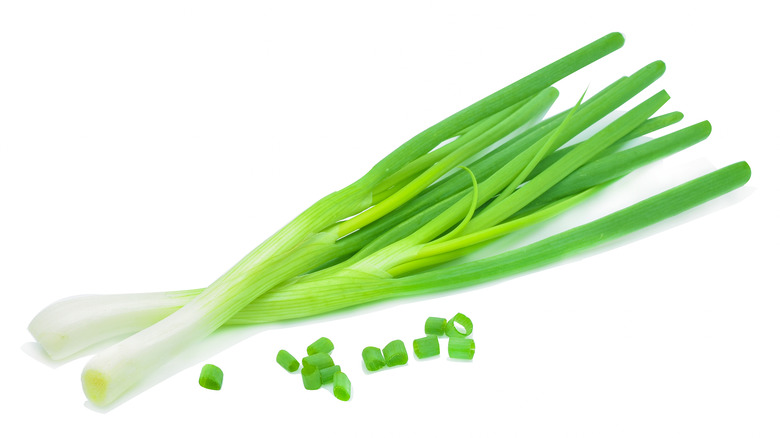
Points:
(342, 387)
(435, 326)
(287, 361)
(395, 353)
(312, 378)
(327, 373)
(461, 348)
(463, 321)
(426, 347)
(318, 360)
(373, 358)
(211, 377)
(321, 345)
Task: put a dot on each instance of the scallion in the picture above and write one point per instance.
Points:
(395, 353)
(342, 387)
(321, 345)
(287, 361)
(311, 376)
(326, 374)
(211, 377)
(373, 358)
(318, 360)
(461, 348)
(385, 235)
(426, 347)
(459, 320)
(435, 326)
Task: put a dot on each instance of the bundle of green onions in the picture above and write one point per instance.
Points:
(385, 235)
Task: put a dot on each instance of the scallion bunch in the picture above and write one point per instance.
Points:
(429, 202)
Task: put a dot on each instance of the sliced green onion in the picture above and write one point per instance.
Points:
(395, 353)
(321, 345)
(286, 360)
(435, 326)
(461, 348)
(462, 320)
(342, 387)
(318, 360)
(211, 377)
(373, 358)
(312, 378)
(426, 347)
(327, 373)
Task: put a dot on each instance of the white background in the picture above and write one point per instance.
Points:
(148, 145)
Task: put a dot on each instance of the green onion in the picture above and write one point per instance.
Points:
(309, 240)
(426, 347)
(321, 345)
(461, 348)
(386, 235)
(286, 360)
(395, 353)
(373, 358)
(318, 360)
(435, 326)
(461, 320)
(342, 387)
(311, 376)
(327, 373)
(211, 377)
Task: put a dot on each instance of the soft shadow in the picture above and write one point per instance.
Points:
(35, 351)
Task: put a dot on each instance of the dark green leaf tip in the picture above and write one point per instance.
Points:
(659, 65)
(706, 127)
(616, 38)
(744, 167)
